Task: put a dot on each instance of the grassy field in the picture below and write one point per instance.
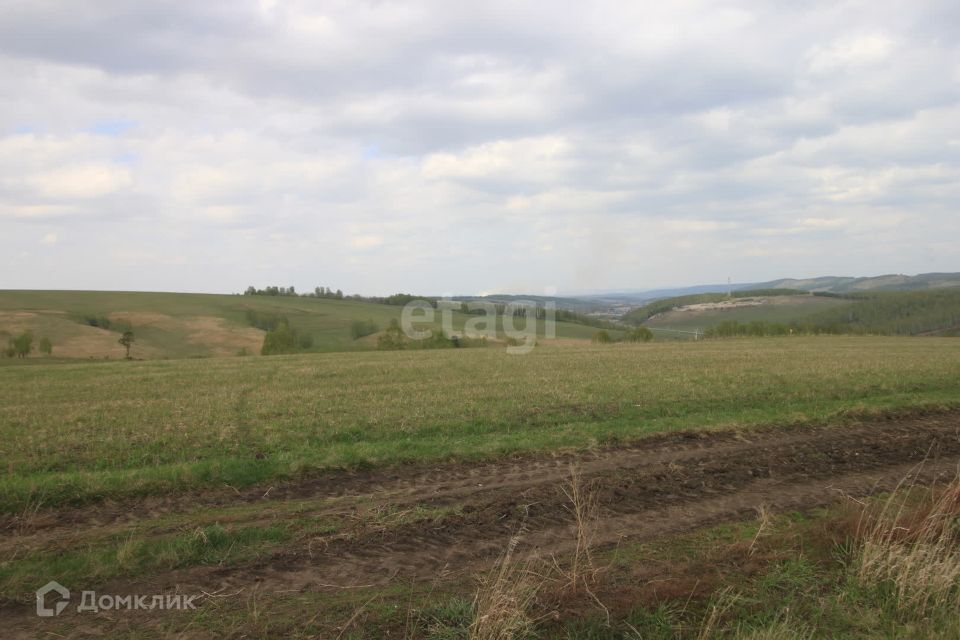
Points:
(184, 325)
(81, 432)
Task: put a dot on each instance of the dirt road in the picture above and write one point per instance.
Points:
(663, 485)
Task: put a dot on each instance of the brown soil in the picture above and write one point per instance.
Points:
(661, 486)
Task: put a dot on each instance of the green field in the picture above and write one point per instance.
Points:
(184, 325)
(79, 432)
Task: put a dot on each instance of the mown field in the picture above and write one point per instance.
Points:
(73, 433)
(622, 491)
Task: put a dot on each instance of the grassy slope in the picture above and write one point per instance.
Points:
(78, 431)
(328, 321)
(781, 309)
(931, 311)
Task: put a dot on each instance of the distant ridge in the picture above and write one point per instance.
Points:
(843, 284)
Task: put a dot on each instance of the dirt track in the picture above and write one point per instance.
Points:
(667, 485)
(664, 485)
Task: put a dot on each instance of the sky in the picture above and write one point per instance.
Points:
(475, 147)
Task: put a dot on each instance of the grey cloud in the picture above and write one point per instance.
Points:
(640, 144)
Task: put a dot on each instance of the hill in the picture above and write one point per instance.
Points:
(934, 311)
(889, 282)
(87, 324)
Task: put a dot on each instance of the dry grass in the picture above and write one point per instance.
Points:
(723, 602)
(583, 508)
(502, 605)
(913, 546)
(765, 518)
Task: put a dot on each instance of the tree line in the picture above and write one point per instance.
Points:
(22, 345)
(318, 292)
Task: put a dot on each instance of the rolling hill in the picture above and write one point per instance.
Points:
(87, 324)
(889, 282)
(932, 311)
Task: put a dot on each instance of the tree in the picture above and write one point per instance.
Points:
(23, 344)
(46, 347)
(127, 341)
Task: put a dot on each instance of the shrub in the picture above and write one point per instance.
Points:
(361, 328)
(640, 334)
(305, 341)
(393, 338)
(102, 322)
(23, 344)
(265, 320)
(46, 347)
(601, 337)
(282, 339)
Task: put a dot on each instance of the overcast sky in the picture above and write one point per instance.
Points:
(466, 147)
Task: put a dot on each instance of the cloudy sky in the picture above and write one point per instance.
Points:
(464, 147)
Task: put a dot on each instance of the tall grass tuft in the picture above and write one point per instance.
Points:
(912, 548)
(502, 606)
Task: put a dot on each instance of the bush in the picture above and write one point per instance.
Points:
(22, 344)
(640, 334)
(601, 337)
(283, 339)
(265, 320)
(393, 338)
(102, 322)
(46, 347)
(361, 328)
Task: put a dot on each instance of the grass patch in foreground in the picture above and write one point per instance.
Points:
(79, 433)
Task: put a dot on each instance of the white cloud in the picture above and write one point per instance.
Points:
(615, 145)
(80, 182)
(851, 52)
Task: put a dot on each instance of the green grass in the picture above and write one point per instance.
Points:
(74, 433)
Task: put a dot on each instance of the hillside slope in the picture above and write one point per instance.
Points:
(87, 324)
(889, 282)
(934, 311)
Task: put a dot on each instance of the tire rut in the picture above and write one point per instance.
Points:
(669, 490)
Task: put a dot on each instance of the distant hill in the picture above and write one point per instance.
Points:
(890, 282)
(922, 311)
